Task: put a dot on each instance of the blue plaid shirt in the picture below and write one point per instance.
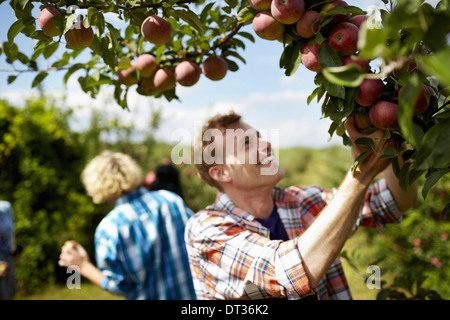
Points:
(140, 247)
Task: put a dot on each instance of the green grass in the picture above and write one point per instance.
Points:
(87, 291)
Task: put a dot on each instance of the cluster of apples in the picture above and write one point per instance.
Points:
(77, 38)
(145, 71)
(276, 17)
(153, 78)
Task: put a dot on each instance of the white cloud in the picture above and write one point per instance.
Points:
(263, 110)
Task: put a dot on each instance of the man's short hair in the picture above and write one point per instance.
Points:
(111, 175)
(220, 122)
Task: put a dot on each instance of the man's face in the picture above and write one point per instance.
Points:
(249, 159)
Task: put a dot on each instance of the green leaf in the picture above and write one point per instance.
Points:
(368, 142)
(50, 49)
(434, 152)
(437, 65)
(190, 17)
(431, 180)
(348, 76)
(39, 78)
(334, 89)
(412, 133)
(245, 15)
(390, 152)
(372, 43)
(291, 58)
(71, 70)
(14, 30)
(328, 57)
(359, 160)
(11, 79)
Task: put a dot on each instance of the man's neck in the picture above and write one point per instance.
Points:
(257, 202)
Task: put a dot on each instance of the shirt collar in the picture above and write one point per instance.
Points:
(225, 204)
(130, 196)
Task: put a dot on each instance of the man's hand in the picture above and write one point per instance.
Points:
(72, 253)
(372, 164)
(3, 268)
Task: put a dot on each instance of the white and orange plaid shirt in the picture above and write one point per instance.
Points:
(232, 257)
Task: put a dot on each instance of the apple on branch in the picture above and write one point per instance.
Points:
(45, 21)
(146, 65)
(384, 114)
(79, 37)
(287, 11)
(344, 38)
(164, 79)
(310, 56)
(156, 30)
(370, 90)
(338, 17)
(215, 68)
(422, 100)
(358, 20)
(147, 86)
(187, 73)
(266, 27)
(127, 76)
(260, 5)
(309, 24)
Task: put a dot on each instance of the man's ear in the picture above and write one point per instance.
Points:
(220, 174)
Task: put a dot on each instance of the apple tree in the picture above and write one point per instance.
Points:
(386, 68)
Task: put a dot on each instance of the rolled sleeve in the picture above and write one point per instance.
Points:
(290, 271)
(379, 207)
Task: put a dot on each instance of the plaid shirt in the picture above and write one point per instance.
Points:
(232, 257)
(140, 247)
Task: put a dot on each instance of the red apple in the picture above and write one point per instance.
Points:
(266, 26)
(383, 114)
(215, 68)
(422, 101)
(260, 5)
(164, 79)
(363, 123)
(309, 24)
(370, 90)
(146, 65)
(338, 17)
(344, 38)
(79, 37)
(157, 30)
(358, 20)
(187, 73)
(287, 11)
(310, 58)
(148, 87)
(362, 64)
(45, 21)
(127, 77)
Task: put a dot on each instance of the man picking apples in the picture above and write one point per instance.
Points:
(260, 241)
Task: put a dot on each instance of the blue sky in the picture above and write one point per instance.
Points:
(259, 91)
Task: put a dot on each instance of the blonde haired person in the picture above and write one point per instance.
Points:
(139, 245)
